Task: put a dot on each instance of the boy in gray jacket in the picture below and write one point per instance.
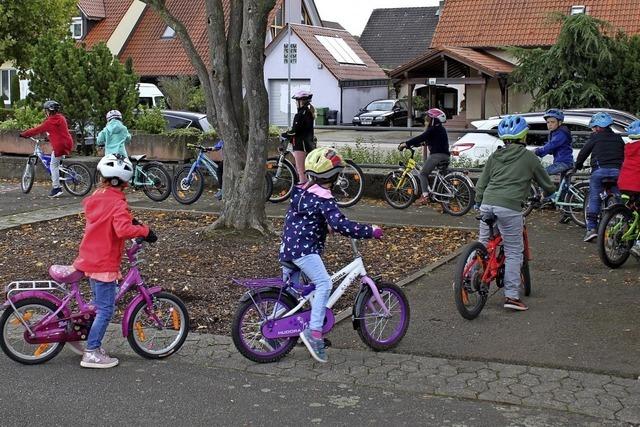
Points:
(501, 189)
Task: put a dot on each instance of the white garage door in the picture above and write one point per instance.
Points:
(278, 97)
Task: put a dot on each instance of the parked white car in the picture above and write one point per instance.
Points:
(475, 148)
(150, 96)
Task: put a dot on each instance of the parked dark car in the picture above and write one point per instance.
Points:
(383, 112)
(186, 119)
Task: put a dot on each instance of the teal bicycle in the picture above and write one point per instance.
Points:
(151, 176)
(619, 232)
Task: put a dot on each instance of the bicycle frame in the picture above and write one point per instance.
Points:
(411, 166)
(567, 187)
(209, 165)
(45, 159)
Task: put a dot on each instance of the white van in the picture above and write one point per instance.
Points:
(150, 95)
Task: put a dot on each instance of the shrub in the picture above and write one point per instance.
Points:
(177, 91)
(274, 130)
(23, 118)
(150, 120)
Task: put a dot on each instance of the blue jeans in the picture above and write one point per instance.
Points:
(104, 298)
(313, 267)
(510, 225)
(558, 167)
(595, 188)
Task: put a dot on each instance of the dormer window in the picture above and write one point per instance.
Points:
(578, 10)
(76, 27)
(169, 33)
(278, 22)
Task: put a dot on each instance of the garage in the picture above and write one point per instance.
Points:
(279, 96)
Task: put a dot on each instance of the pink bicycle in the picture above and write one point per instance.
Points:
(40, 317)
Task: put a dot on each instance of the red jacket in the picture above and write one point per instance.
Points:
(108, 226)
(59, 136)
(629, 178)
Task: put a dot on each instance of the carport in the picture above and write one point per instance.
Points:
(480, 73)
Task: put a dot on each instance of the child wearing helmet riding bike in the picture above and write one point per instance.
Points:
(558, 144)
(109, 224)
(311, 212)
(629, 178)
(301, 132)
(501, 189)
(607, 153)
(437, 141)
(55, 124)
(115, 135)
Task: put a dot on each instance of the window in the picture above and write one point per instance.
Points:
(340, 50)
(537, 140)
(169, 33)
(578, 141)
(278, 22)
(291, 53)
(174, 122)
(306, 19)
(5, 85)
(76, 27)
(578, 10)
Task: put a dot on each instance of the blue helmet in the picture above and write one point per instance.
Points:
(555, 113)
(513, 127)
(634, 130)
(601, 120)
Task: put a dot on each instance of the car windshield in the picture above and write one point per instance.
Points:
(379, 106)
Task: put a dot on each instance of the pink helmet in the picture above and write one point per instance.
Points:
(436, 113)
(302, 94)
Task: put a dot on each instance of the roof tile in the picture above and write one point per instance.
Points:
(102, 30)
(93, 9)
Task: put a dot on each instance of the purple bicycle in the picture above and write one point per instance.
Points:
(37, 322)
(270, 318)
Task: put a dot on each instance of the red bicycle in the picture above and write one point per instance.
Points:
(479, 265)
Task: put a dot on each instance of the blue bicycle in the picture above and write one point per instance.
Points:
(74, 177)
(188, 183)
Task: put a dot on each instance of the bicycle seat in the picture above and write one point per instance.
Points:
(291, 266)
(138, 157)
(65, 273)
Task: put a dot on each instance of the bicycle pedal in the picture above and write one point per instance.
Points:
(327, 343)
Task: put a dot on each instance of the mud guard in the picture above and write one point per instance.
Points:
(129, 310)
(362, 293)
(37, 294)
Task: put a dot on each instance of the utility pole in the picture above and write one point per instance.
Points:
(288, 15)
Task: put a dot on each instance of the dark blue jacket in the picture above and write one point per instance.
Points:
(305, 225)
(436, 139)
(559, 145)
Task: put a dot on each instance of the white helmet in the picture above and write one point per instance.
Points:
(302, 94)
(113, 166)
(114, 114)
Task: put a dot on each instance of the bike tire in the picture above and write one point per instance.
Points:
(160, 189)
(464, 287)
(577, 214)
(177, 319)
(40, 352)
(28, 177)
(249, 316)
(613, 225)
(464, 195)
(349, 187)
(186, 192)
(529, 205)
(283, 181)
(399, 194)
(371, 322)
(525, 277)
(79, 182)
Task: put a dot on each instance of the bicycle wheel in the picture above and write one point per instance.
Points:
(156, 341)
(525, 277)
(463, 194)
(529, 205)
(580, 197)
(156, 181)
(613, 250)
(187, 188)
(28, 176)
(468, 290)
(399, 192)
(376, 329)
(12, 342)
(349, 186)
(77, 179)
(246, 329)
(283, 178)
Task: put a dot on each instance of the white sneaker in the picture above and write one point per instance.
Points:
(98, 359)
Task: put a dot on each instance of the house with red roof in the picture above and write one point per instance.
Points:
(468, 47)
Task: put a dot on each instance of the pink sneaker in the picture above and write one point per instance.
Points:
(98, 359)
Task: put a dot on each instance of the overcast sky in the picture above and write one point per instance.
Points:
(354, 14)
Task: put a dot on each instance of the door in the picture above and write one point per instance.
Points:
(278, 97)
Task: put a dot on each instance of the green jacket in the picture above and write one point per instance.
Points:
(507, 175)
(114, 137)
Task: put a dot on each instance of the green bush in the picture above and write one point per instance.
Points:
(11, 124)
(23, 118)
(275, 130)
(150, 120)
(5, 114)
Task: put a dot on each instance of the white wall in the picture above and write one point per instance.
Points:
(354, 98)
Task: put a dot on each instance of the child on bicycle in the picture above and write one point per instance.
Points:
(607, 153)
(55, 124)
(629, 178)
(312, 210)
(301, 131)
(115, 135)
(109, 224)
(501, 189)
(437, 141)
